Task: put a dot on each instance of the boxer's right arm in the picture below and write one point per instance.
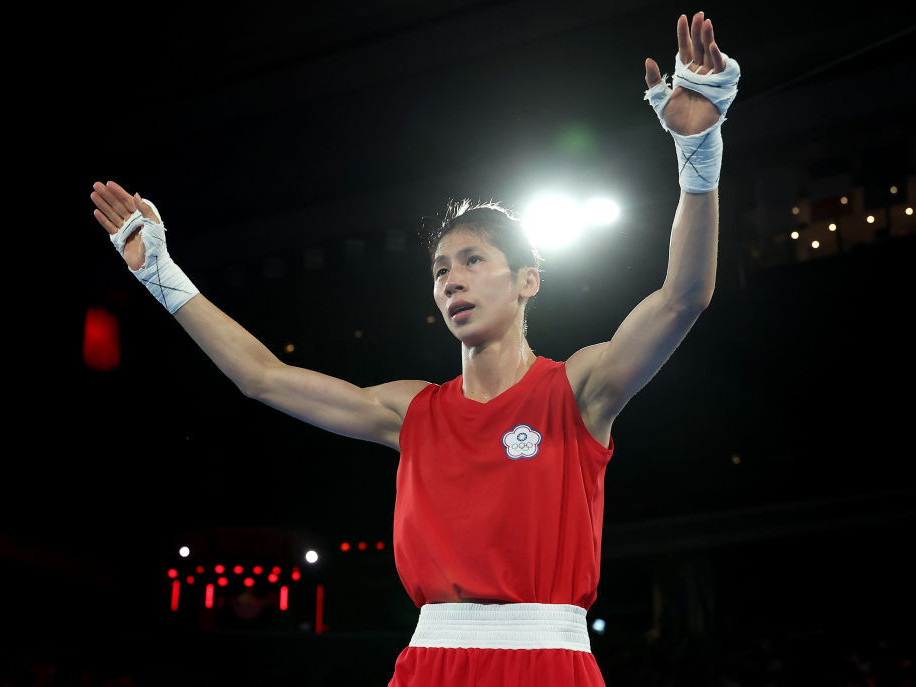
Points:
(372, 413)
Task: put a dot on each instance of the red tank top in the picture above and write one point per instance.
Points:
(500, 501)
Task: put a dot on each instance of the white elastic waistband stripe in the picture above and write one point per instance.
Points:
(502, 626)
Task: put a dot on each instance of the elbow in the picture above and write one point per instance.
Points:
(702, 301)
(694, 301)
(253, 385)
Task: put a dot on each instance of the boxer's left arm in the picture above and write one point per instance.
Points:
(605, 376)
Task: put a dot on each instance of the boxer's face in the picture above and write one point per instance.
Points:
(479, 297)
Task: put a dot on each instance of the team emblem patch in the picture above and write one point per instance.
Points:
(521, 442)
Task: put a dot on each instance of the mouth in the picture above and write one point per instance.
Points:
(456, 308)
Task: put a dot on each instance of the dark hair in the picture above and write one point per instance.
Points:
(496, 224)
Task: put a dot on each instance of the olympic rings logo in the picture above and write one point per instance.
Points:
(521, 442)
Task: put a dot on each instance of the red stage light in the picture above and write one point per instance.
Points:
(362, 546)
(257, 570)
(380, 545)
(319, 608)
(284, 598)
(249, 582)
(345, 546)
(190, 579)
(200, 569)
(176, 586)
(173, 573)
(219, 569)
(222, 582)
(101, 340)
(276, 570)
(272, 577)
(208, 596)
(295, 575)
(238, 570)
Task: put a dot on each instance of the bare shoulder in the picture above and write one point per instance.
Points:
(397, 395)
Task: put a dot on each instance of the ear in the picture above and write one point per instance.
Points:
(531, 281)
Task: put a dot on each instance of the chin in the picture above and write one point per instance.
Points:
(468, 336)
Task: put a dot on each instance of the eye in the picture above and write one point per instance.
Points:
(474, 258)
(440, 272)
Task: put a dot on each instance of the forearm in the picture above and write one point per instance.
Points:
(691, 276)
(239, 355)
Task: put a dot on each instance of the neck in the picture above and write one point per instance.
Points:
(490, 369)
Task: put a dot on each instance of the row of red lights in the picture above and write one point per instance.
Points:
(362, 546)
(208, 596)
(238, 570)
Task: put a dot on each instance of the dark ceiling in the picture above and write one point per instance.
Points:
(292, 154)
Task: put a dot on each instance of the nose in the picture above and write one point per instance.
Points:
(453, 284)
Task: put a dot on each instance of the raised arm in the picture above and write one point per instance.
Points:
(606, 376)
(372, 413)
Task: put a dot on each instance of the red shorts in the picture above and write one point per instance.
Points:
(498, 645)
(439, 667)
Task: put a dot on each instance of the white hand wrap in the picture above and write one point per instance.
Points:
(699, 155)
(162, 277)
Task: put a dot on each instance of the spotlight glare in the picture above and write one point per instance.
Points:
(552, 220)
(599, 625)
(184, 552)
(599, 212)
(311, 556)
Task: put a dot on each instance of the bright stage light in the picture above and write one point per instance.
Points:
(184, 552)
(552, 220)
(311, 556)
(599, 212)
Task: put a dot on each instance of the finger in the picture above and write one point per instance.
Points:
(707, 40)
(112, 199)
(717, 59)
(684, 50)
(653, 75)
(105, 222)
(120, 193)
(122, 196)
(696, 38)
(113, 215)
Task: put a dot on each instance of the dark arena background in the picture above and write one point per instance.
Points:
(761, 500)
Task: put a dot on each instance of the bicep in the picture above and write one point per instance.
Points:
(607, 375)
(371, 413)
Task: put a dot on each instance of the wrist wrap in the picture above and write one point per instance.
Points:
(699, 155)
(164, 279)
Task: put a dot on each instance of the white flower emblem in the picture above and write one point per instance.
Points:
(521, 442)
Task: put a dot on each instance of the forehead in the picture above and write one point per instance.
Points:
(457, 240)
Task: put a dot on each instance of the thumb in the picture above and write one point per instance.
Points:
(144, 208)
(653, 75)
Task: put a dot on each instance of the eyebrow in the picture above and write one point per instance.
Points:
(464, 251)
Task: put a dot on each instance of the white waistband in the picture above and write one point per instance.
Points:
(502, 626)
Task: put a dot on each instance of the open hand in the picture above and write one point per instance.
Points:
(687, 112)
(113, 206)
